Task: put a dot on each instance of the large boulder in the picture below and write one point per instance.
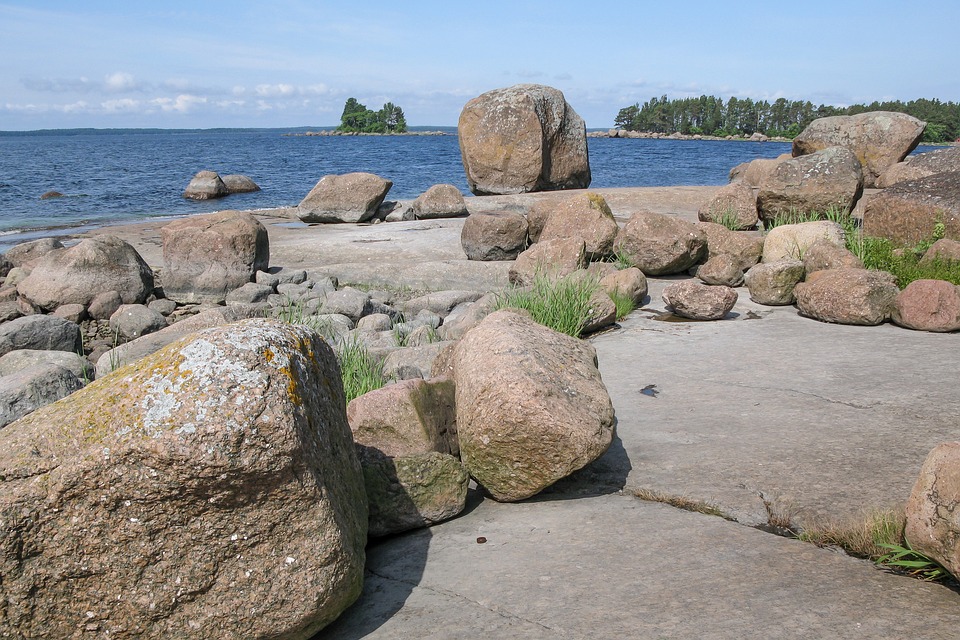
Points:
(722, 270)
(34, 387)
(531, 406)
(734, 205)
(932, 526)
(697, 301)
(21, 359)
(239, 183)
(440, 201)
(879, 139)
(825, 254)
(211, 490)
(206, 185)
(351, 197)
(921, 165)
(523, 138)
(499, 235)
(827, 179)
(586, 216)
(551, 259)
(908, 212)
(943, 250)
(847, 296)
(659, 244)
(928, 305)
(747, 248)
(85, 270)
(28, 253)
(772, 283)
(205, 257)
(42, 332)
(792, 241)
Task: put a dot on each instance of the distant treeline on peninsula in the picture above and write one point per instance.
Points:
(710, 115)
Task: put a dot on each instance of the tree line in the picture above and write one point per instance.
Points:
(710, 115)
(356, 118)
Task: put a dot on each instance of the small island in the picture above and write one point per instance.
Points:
(357, 118)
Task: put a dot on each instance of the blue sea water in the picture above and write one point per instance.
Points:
(126, 176)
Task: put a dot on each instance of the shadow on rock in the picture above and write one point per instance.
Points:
(606, 475)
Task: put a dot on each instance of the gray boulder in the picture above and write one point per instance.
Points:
(20, 359)
(29, 389)
(440, 201)
(352, 197)
(134, 320)
(40, 332)
(659, 244)
(697, 301)
(27, 253)
(500, 235)
(206, 185)
(239, 183)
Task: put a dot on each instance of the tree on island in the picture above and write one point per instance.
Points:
(356, 118)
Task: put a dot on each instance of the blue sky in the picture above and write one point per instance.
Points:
(286, 63)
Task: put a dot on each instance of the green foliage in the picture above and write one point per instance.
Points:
(711, 115)
(360, 371)
(357, 118)
(620, 259)
(623, 302)
(903, 263)
(727, 217)
(562, 304)
(914, 563)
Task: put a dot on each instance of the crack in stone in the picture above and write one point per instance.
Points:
(851, 404)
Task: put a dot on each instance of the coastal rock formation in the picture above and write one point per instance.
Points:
(908, 212)
(206, 185)
(721, 270)
(928, 305)
(28, 253)
(932, 526)
(734, 203)
(879, 139)
(94, 266)
(239, 183)
(698, 301)
(41, 332)
(523, 138)
(792, 241)
(549, 258)
(659, 244)
(440, 201)
(826, 179)
(33, 387)
(847, 296)
(585, 216)
(213, 486)
(500, 235)
(921, 165)
(205, 257)
(772, 283)
(531, 406)
(351, 197)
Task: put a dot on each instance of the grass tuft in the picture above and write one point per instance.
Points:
(562, 304)
(360, 371)
(863, 538)
(623, 302)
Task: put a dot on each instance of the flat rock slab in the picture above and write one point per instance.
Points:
(618, 567)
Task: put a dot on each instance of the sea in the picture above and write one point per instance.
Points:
(118, 176)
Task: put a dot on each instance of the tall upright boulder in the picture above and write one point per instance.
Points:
(206, 257)
(879, 139)
(210, 490)
(523, 138)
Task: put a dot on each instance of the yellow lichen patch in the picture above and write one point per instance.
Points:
(599, 203)
(268, 355)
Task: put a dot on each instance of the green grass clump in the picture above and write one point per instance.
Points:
(623, 302)
(620, 259)
(360, 371)
(727, 217)
(562, 304)
(904, 558)
(840, 215)
(904, 263)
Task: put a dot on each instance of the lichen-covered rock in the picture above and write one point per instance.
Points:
(500, 235)
(351, 197)
(847, 296)
(531, 406)
(659, 244)
(585, 216)
(735, 204)
(205, 257)
(550, 259)
(921, 165)
(772, 283)
(828, 179)
(908, 212)
(206, 185)
(928, 305)
(932, 527)
(792, 241)
(523, 138)
(212, 490)
(440, 201)
(697, 301)
(879, 139)
(413, 491)
(93, 266)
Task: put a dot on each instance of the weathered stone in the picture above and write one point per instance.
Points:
(94, 266)
(205, 257)
(217, 475)
(396, 211)
(847, 296)
(601, 312)
(824, 254)
(73, 312)
(439, 302)
(351, 197)
(466, 316)
(27, 253)
(908, 212)
(163, 306)
(548, 258)
(239, 183)
(932, 527)
(928, 305)
(406, 418)
(772, 283)
(494, 236)
(40, 332)
(828, 179)
(746, 247)
(412, 361)
(722, 270)
(921, 165)
(134, 320)
(206, 185)
(249, 293)
(735, 204)
(531, 406)
(440, 201)
(29, 389)
(943, 250)
(587, 217)
(75, 363)
(523, 138)
(629, 282)
(792, 241)
(901, 172)
(375, 322)
(879, 139)
(9, 310)
(103, 305)
(659, 244)
(349, 302)
(411, 492)
(754, 172)
(697, 301)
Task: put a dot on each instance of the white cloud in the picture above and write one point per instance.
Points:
(119, 81)
(123, 105)
(184, 103)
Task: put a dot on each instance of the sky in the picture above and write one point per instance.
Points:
(293, 63)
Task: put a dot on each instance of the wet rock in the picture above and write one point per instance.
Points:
(239, 183)
(206, 185)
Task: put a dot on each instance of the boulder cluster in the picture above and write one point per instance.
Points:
(210, 185)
